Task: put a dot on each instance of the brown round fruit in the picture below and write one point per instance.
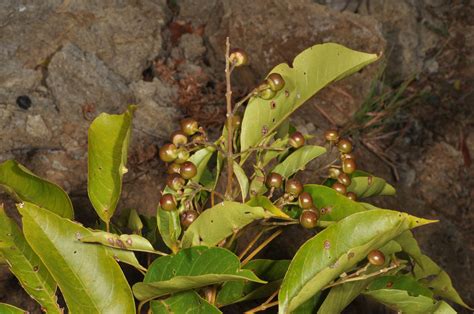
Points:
(331, 135)
(305, 200)
(351, 196)
(308, 219)
(175, 181)
(296, 139)
(293, 187)
(334, 173)
(168, 202)
(188, 170)
(344, 179)
(376, 258)
(183, 155)
(274, 180)
(347, 156)
(349, 166)
(173, 168)
(238, 57)
(188, 217)
(168, 152)
(189, 126)
(344, 146)
(275, 81)
(341, 188)
(179, 138)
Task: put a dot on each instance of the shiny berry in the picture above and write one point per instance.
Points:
(334, 173)
(340, 188)
(344, 146)
(266, 94)
(351, 196)
(308, 219)
(173, 168)
(188, 217)
(168, 152)
(344, 179)
(238, 57)
(293, 187)
(305, 200)
(175, 181)
(296, 139)
(274, 180)
(376, 258)
(179, 138)
(349, 166)
(275, 81)
(168, 202)
(188, 170)
(331, 135)
(189, 126)
(183, 155)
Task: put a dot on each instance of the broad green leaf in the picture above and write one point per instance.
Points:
(25, 186)
(242, 179)
(191, 268)
(339, 297)
(134, 221)
(298, 160)
(89, 278)
(109, 136)
(338, 248)
(263, 201)
(409, 245)
(217, 223)
(184, 302)
(200, 158)
(333, 205)
(269, 155)
(365, 185)
(257, 185)
(126, 257)
(402, 282)
(444, 308)
(10, 309)
(239, 291)
(131, 242)
(26, 265)
(431, 275)
(169, 226)
(312, 69)
(308, 306)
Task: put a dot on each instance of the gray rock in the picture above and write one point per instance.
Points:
(36, 127)
(192, 46)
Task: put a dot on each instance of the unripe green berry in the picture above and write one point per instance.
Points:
(188, 170)
(293, 187)
(238, 57)
(305, 200)
(376, 258)
(168, 202)
(296, 139)
(344, 146)
(349, 166)
(189, 126)
(344, 179)
(309, 219)
(334, 173)
(183, 155)
(275, 81)
(340, 188)
(266, 94)
(168, 152)
(175, 182)
(274, 180)
(179, 138)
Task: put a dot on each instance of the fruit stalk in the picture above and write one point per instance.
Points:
(230, 131)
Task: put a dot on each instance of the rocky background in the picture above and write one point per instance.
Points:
(64, 62)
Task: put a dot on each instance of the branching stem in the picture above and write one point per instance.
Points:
(261, 246)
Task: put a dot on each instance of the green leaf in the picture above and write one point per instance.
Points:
(109, 136)
(169, 226)
(444, 308)
(365, 185)
(257, 185)
(184, 302)
(89, 278)
(10, 309)
(336, 206)
(269, 155)
(263, 201)
(217, 223)
(126, 257)
(26, 265)
(131, 242)
(191, 268)
(134, 222)
(342, 295)
(242, 179)
(239, 291)
(313, 69)
(409, 245)
(402, 282)
(200, 159)
(338, 248)
(25, 186)
(298, 160)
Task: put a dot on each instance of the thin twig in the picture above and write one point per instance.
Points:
(261, 247)
(230, 131)
(251, 244)
(262, 307)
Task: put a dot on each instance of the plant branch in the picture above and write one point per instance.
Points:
(261, 247)
(230, 131)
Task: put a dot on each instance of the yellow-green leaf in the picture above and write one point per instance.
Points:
(298, 159)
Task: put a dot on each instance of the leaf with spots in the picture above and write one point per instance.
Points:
(89, 278)
(183, 302)
(25, 186)
(312, 69)
(26, 265)
(109, 136)
(191, 268)
(298, 159)
(337, 249)
(219, 222)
